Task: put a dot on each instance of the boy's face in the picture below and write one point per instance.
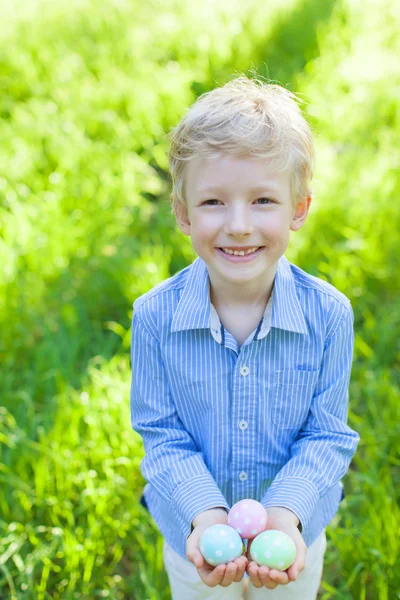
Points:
(239, 203)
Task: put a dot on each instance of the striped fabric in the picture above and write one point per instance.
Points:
(222, 423)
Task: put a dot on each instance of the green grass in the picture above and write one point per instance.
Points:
(88, 91)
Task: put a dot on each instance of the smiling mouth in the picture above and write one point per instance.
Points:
(244, 252)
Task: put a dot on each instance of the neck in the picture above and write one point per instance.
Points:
(237, 296)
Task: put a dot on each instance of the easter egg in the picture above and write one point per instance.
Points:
(220, 544)
(273, 549)
(248, 517)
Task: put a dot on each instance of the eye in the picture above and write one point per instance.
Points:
(212, 202)
(265, 200)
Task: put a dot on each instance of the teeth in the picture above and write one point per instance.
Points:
(240, 252)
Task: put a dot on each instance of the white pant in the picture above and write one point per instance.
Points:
(186, 584)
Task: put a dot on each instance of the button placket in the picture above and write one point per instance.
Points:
(242, 424)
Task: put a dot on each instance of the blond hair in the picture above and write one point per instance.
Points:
(245, 117)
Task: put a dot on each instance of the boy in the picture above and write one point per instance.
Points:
(241, 361)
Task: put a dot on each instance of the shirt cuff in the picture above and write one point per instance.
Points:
(193, 497)
(298, 495)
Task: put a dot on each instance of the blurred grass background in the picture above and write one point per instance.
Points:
(88, 91)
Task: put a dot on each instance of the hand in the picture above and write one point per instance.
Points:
(284, 520)
(222, 575)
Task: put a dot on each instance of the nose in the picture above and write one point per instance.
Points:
(238, 221)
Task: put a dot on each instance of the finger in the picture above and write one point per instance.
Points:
(230, 574)
(241, 567)
(265, 578)
(292, 573)
(196, 558)
(279, 577)
(206, 569)
(212, 576)
(252, 570)
(193, 551)
(296, 568)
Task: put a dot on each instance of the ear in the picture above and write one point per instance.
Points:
(300, 214)
(182, 217)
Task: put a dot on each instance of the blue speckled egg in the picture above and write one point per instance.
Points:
(220, 544)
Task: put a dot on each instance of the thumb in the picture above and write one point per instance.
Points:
(299, 562)
(198, 559)
(193, 551)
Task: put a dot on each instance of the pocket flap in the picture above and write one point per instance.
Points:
(296, 377)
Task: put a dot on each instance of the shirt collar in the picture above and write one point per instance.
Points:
(287, 312)
(217, 329)
(193, 310)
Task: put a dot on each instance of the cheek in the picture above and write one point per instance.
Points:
(277, 232)
(203, 229)
(199, 239)
(274, 227)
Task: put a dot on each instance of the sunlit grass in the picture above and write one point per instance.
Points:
(87, 93)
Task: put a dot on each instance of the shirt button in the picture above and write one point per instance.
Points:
(244, 371)
(243, 476)
(243, 425)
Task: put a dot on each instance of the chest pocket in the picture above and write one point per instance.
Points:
(293, 392)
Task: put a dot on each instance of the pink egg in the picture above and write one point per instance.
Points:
(248, 517)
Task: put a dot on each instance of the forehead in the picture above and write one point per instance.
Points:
(226, 171)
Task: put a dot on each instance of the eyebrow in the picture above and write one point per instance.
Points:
(260, 187)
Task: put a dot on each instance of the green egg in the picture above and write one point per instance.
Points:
(274, 549)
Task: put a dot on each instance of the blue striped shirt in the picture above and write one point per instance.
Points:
(266, 420)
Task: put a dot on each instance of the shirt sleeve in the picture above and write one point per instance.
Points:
(173, 464)
(325, 446)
